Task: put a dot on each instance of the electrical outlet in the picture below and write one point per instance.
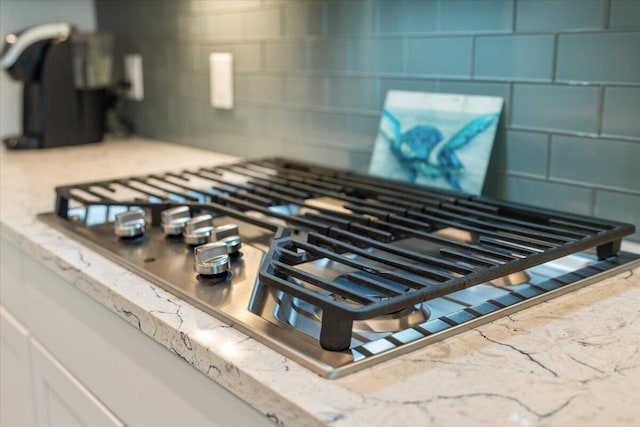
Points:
(133, 74)
(221, 80)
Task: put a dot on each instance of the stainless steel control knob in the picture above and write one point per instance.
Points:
(174, 219)
(197, 230)
(130, 223)
(211, 259)
(230, 235)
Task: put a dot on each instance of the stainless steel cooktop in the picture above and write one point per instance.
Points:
(336, 270)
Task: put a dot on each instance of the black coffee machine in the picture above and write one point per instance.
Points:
(67, 79)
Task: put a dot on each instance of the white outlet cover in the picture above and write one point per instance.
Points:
(221, 80)
(133, 74)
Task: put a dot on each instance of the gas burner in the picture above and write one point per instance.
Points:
(306, 317)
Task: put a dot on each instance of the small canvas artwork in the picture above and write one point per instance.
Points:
(434, 139)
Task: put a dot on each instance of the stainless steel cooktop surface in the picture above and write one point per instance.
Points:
(336, 270)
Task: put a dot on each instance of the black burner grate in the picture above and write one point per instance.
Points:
(359, 229)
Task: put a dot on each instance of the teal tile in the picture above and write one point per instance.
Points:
(596, 161)
(550, 195)
(242, 119)
(599, 57)
(559, 15)
(328, 155)
(363, 131)
(434, 56)
(353, 93)
(474, 88)
(619, 207)
(328, 127)
(473, 16)
(514, 57)
(527, 152)
(327, 55)
(377, 55)
(350, 17)
(624, 14)
(401, 17)
(304, 91)
(571, 108)
(241, 145)
(284, 122)
(417, 85)
(621, 112)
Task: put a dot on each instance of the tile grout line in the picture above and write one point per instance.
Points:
(554, 66)
(601, 95)
(606, 16)
(549, 147)
(472, 60)
(573, 183)
(510, 106)
(405, 56)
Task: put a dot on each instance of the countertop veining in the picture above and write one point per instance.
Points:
(574, 360)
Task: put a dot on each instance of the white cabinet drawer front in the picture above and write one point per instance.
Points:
(16, 401)
(12, 289)
(61, 400)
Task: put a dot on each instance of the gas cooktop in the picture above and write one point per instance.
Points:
(335, 269)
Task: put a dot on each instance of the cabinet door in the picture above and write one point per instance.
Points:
(12, 288)
(61, 400)
(16, 399)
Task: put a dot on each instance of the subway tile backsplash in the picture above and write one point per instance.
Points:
(522, 57)
(434, 56)
(311, 77)
(607, 57)
(560, 15)
(555, 107)
(621, 107)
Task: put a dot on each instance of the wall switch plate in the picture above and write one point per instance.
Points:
(221, 80)
(133, 75)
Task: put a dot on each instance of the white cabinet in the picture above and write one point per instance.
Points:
(80, 364)
(61, 400)
(12, 291)
(16, 401)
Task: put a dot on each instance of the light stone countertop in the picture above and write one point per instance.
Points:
(574, 360)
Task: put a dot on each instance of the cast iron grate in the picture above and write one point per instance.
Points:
(358, 229)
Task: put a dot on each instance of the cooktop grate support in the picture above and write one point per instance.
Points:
(360, 229)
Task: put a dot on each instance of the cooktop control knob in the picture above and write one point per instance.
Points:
(174, 219)
(130, 223)
(211, 259)
(197, 230)
(230, 235)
